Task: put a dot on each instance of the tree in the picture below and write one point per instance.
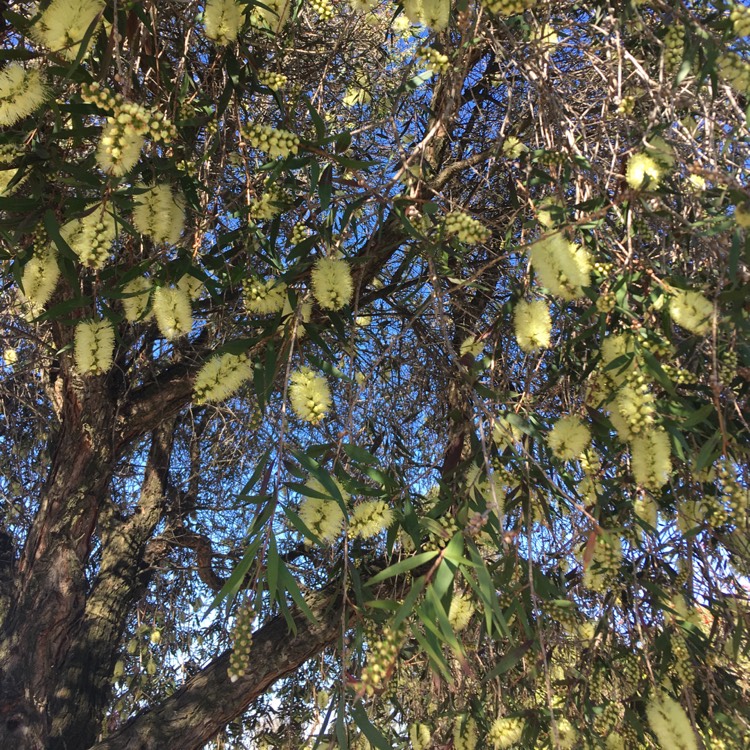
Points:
(374, 374)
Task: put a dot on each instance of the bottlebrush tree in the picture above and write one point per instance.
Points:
(374, 374)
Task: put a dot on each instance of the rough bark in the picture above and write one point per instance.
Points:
(50, 585)
(204, 705)
(84, 684)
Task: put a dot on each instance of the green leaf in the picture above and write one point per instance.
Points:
(403, 566)
(407, 606)
(360, 455)
(509, 660)
(372, 733)
(298, 524)
(259, 468)
(272, 567)
(454, 551)
(325, 188)
(709, 452)
(417, 81)
(441, 615)
(431, 647)
(698, 416)
(318, 122)
(235, 580)
(287, 581)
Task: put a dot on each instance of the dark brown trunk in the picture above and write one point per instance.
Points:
(84, 682)
(50, 585)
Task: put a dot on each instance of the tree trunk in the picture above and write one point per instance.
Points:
(49, 591)
(84, 683)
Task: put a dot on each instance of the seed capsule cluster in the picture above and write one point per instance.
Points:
(126, 129)
(606, 722)
(141, 120)
(274, 81)
(448, 529)
(682, 666)
(269, 205)
(626, 105)
(679, 375)
(713, 510)
(242, 641)
(380, 659)
(736, 71)
(606, 302)
(272, 141)
(674, 47)
(602, 269)
(659, 347)
(432, 59)
(566, 613)
(299, 234)
(465, 228)
(323, 8)
(728, 367)
(508, 7)
(740, 17)
(736, 496)
(629, 672)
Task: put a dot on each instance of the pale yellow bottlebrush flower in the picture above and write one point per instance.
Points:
(221, 377)
(420, 736)
(332, 283)
(64, 24)
(135, 304)
(94, 346)
(39, 278)
(563, 267)
(309, 395)
(435, 14)
(369, 518)
(323, 517)
(692, 311)
(505, 732)
(533, 325)
(670, 723)
(223, 20)
(651, 458)
(22, 91)
(643, 172)
(465, 733)
(264, 297)
(91, 236)
(460, 612)
(119, 148)
(569, 438)
(172, 311)
(159, 213)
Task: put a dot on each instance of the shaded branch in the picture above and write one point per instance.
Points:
(209, 701)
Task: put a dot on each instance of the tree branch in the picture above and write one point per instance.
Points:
(204, 705)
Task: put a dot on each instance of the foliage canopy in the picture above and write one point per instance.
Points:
(374, 374)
